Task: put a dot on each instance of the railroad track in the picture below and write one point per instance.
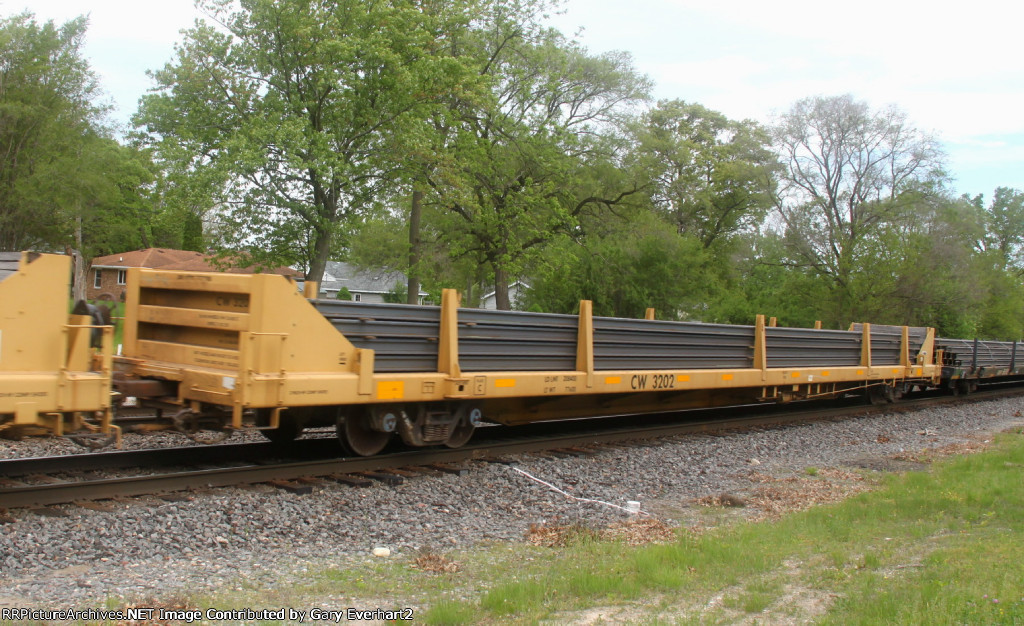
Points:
(494, 447)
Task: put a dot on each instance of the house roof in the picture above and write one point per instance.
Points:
(183, 260)
(207, 264)
(338, 274)
(150, 257)
(9, 263)
(519, 284)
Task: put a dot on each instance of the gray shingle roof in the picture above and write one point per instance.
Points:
(339, 274)
(8, 263)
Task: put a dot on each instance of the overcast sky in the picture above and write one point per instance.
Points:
(957, 70)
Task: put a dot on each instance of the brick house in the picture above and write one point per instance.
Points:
(108, 274)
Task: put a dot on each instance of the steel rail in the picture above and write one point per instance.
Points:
(57, 493)
(178, 455)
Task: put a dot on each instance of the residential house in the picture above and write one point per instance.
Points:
(9, 263)
(108, 275)
(364, 285)
(515, 291)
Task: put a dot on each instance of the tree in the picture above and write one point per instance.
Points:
(109, 188)
(65, 183)
(712, 177)
(49, 119)
(624, 266)
(518, 168)
(288, 109)
(1005, 225)
(848, 174)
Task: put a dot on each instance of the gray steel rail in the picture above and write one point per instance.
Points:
(405, 339)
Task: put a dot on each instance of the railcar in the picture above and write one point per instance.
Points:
(965, 363)
(221, 351)
(55, 368)
(213, 353)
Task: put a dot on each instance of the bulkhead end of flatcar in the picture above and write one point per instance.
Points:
(51, 378)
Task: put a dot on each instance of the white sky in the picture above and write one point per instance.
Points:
(956, 69)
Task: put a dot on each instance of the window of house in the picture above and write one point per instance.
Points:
(357, 297)
(122, 277)
(97, 279)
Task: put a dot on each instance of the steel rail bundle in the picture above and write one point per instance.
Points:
(965, 362)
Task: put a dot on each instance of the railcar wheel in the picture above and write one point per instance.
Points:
(357, 435)
(885, 394)
(877, 396)
(462, 431)
(963, 387)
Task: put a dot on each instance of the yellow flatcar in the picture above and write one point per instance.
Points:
(250, 351)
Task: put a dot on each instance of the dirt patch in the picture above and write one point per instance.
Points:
(933, 454)
(625, 614)
(634, 532)
(888, 464)
(776, 496)
(434, 563)
(640, 531)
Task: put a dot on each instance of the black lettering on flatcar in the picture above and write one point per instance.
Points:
(663, 381)
(232, 301)
(639, 381)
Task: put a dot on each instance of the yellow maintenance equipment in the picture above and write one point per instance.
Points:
(250, 350)
(51, 379)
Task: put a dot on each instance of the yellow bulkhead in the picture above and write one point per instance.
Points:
(50, 377)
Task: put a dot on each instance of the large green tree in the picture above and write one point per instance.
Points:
(1000, 263)
(850, 174)
(712, 177)
(523, 164)
(624, 265)
(65, 182)
(288, 111)
(49, 119)
(1005, 226)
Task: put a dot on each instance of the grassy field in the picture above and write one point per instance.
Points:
(943, 546)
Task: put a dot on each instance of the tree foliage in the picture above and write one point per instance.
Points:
(1005, 224)
(65, 182)
(711, 177)
(287, 109)
(49, 121)
(518, 164)
(850, 174)
(625, 267)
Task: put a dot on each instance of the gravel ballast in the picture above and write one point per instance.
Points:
(150, 547)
